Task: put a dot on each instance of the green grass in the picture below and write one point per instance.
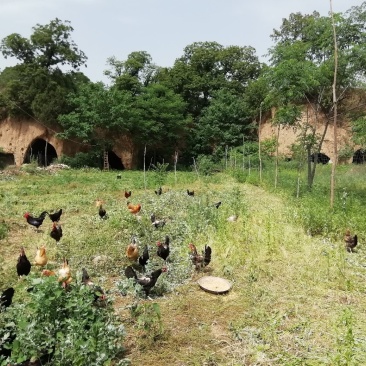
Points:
(297, 296)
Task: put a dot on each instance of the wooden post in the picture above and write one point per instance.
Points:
(106, 161)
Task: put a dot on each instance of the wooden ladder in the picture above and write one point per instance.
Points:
(106, 161)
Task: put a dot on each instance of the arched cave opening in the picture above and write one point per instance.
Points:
(115, 161)
(6, 159)
(41, 151)
(322, 158)
(359, 157)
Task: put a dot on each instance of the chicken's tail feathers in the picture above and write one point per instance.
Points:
(130, 273)
(207, 255)
(355, 239)
(43, 215)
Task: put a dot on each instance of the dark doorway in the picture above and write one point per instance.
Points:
(322, 158)
(359, 157)
(6, 159)
(115, 162)
(41, 151)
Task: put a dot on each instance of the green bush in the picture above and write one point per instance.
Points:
(90, 159)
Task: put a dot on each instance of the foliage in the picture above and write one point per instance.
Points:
(92, 159)
(3, 230)
(65, 322)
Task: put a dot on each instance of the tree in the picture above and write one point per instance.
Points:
(49, 45)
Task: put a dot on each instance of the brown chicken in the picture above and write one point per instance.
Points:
(132, 250)
(64, 274)
(127, 194)
(200, 260)
(350, 241)
(41, 257)
(134, 209)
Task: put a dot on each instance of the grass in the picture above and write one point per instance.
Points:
(297, 296)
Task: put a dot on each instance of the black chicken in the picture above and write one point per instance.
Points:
(163, 249)
(350, 241)
(102, 212)
(148, 281)
(217, 204)
(6, 297)
(200, 260)
(97, 290)
(35, 221)
(56, 232)
(55, 217)
(127, 193)
(143, 259)
(159, 191)
(190, 193)
(23, 266)
(156, 223)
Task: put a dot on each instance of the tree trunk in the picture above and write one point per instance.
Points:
(259, 144)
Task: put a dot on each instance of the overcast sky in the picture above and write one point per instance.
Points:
(163, 28)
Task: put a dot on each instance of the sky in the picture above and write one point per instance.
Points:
(162, 28)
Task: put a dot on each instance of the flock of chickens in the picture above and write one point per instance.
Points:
(63, 275)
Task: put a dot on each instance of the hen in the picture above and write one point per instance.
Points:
(147, 281)
(217, 204)
(56, 232)
(6, 297)
(23, 266)
(159, 191)
(35, 221)
(97, 290)
(134, 209)
(132, 250)
(350, 241)
(200, 260)
(127, 194)
(163, 249)
(190, 193)
(155, 222)
(41, 257)
(55, 217)
(64, 274)
(143, 259)
(101, 210)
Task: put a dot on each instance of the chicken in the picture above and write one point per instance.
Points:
(56, 232)
(134, 209)
(217, 204)
(23, 266)
(101, 210)
(143, 259)
(147, 281)
(6, 297)
(41, 257)
(64, 274)
(159, 191)
(97, 290)
(48, 273)
(127, 194)
(155, 222)
(350, 241)
(163, 249)
(190, 193)
(132, 250)
(55, 217)
(200, 260)
(35, 221)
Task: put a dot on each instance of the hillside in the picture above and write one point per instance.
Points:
(296, 298)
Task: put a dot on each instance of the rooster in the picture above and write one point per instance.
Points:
(35, 221)
(200, 260)
(132, 250)
(55, 217)
(159, 191)
(190, 193)
(101, 210)
(155, 222)
(64, 274)
(41, 257)
(23, 266)
(134, 209)
(127, 194)
(97, 290)
(350, 241)
(148, 281)
(163, 249)
(56, 232)
(6, 298)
